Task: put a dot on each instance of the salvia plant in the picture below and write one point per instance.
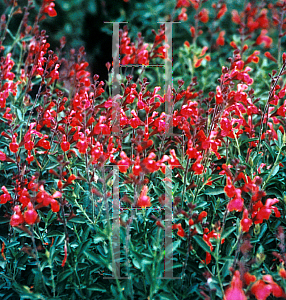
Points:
(80, 164)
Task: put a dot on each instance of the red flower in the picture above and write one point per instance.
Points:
(174, 162)
(235, 291)
(262, 290)
(253, 57)
(24, 197)
(201, 216)
(181, 231)
(282, 273)
(13, 146)
(2, 156)
(30, 215)
(29, 145)
(204, 15)
(30, 157)
(229, 189)
(6, 196)
(55, 205)
(17, 218)
(66, 255)
(137, 168)
(43, 143)
(218, 96)
(220, 39)
(65, 145)
(183, 16)
(144, 200)
(43, 197)
(208, 258)
(221, 12)
(181, 3)
(263, 38)
(237, 202)
(249, 278)
(276, 289)
(82, 145)
(48, 8)
(268, 55)
(262, 212)
(124, 163)
(150, 163)
(245, 222)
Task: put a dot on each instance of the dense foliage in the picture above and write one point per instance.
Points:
(61, 148)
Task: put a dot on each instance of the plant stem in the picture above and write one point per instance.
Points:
(271, 92)
(109, 233)
(37, 260)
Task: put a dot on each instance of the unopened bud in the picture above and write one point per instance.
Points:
(250, 162)
(284, 138)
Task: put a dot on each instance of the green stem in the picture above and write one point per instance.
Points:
(237, 144)
(109, 233)
(271, 92)
(38, 261)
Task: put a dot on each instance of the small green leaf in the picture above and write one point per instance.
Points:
(269, 149)
(19, 115)
(214, 192)
(275, 170)
(227, 232)
(96, 287)
(273, 191)
(55, 233)
(248, 140)
(280, 138)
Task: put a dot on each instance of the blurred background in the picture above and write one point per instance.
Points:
(82, 23)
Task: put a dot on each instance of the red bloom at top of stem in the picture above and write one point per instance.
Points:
(221, 12)
(220, 39)
(204, 15)
(144, 200)
(181, 231)
(183, 3)
(48, 8)
(245, 222)
(4, 198)
(235, 290)
(65, 145)
(263, 38)
(17, 218)
(30, 215)
(261, 289)
(14, 146)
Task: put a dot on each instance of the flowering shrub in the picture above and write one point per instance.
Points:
(61, 148)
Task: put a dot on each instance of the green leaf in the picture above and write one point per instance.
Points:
(3, 220)
(248, 140)
(280, 138)
(273, 191)
(97, 259)
(202, 243)
(214, 192)
(62, 276)
(262, 231)
(96, 287)
(20, 115)
(269, 149)
(13, 244)
(55, 233)
(227, 232)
